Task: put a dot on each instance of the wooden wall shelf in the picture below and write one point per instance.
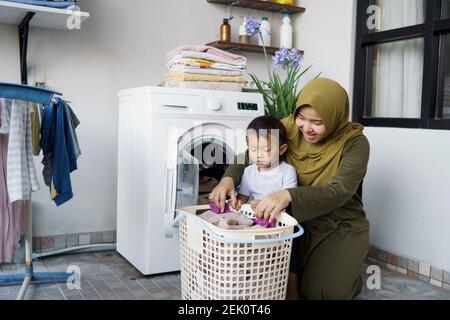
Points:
(262, 5)
(235, 46)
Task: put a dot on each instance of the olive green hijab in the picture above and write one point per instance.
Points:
(317, 163)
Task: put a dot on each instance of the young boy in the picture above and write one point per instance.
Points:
(266, 140)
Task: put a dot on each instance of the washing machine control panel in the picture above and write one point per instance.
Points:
(247, 106)
(215, 105)
(230, 105)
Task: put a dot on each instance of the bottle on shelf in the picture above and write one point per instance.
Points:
(244, 37)
(286, 33)
(285, 2)
(266, 32)
(225, 30)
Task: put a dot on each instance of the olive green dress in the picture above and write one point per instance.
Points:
(328, 202)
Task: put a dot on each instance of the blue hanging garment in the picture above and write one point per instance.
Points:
(60, 151)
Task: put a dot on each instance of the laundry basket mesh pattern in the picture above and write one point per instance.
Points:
(220, 270)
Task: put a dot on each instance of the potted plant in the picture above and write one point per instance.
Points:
(281, 97)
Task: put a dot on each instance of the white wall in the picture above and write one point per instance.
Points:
(326, 32)
(407, 193)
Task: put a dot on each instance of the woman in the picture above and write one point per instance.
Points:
(330, 155)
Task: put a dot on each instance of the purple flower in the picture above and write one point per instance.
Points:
(296, 57)
(252, 26)
(281, 57)
(285, 57)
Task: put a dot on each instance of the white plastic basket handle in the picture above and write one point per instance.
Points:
(216, 237)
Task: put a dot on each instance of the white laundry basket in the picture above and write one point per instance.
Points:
(220, 264)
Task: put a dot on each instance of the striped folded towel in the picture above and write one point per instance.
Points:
(202, 77)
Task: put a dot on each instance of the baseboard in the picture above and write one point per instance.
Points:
(414, 268)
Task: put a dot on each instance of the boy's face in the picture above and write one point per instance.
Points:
(264, 153)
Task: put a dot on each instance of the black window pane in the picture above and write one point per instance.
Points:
(444, 86)
(445, 9)
(385, 15)
(396, 76)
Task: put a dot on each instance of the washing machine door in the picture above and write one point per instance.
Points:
(199, 148)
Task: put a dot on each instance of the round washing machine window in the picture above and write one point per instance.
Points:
(203, 156)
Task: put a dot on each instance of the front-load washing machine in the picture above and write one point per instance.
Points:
(169, 140)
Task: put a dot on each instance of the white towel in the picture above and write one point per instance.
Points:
(22, 178)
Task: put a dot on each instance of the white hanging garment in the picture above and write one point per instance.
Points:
(5, 115)
(21, 176)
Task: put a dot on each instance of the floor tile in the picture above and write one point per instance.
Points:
(108, 276)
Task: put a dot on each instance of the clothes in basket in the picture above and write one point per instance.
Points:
(229, 220)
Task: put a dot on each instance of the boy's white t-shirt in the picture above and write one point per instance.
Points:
(256, 184)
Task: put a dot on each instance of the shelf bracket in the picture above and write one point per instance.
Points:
(23, 43)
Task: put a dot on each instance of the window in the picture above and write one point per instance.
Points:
(402, 64)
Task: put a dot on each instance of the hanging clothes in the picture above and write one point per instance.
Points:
(73, 123)
(59, 146)
(35, 128)
(22, 178)
(5, 115)
(12, 215)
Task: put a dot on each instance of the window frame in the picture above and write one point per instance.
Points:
(431, 31)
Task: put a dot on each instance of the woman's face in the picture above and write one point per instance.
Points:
(310, 124)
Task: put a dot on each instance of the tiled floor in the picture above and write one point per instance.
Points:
(106, 275)
(396, 286)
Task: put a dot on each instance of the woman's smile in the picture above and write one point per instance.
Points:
(310, 135)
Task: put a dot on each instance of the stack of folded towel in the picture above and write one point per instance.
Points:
(205, 67)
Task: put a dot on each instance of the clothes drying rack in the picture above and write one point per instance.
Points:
(40, 96)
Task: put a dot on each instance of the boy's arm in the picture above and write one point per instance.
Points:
(244, 188)
(290, 178)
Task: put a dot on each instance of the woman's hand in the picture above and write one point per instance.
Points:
(221, 191)
(270, 207)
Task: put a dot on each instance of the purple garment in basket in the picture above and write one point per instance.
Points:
(265, 223)
(214, 208)
(260, 222)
